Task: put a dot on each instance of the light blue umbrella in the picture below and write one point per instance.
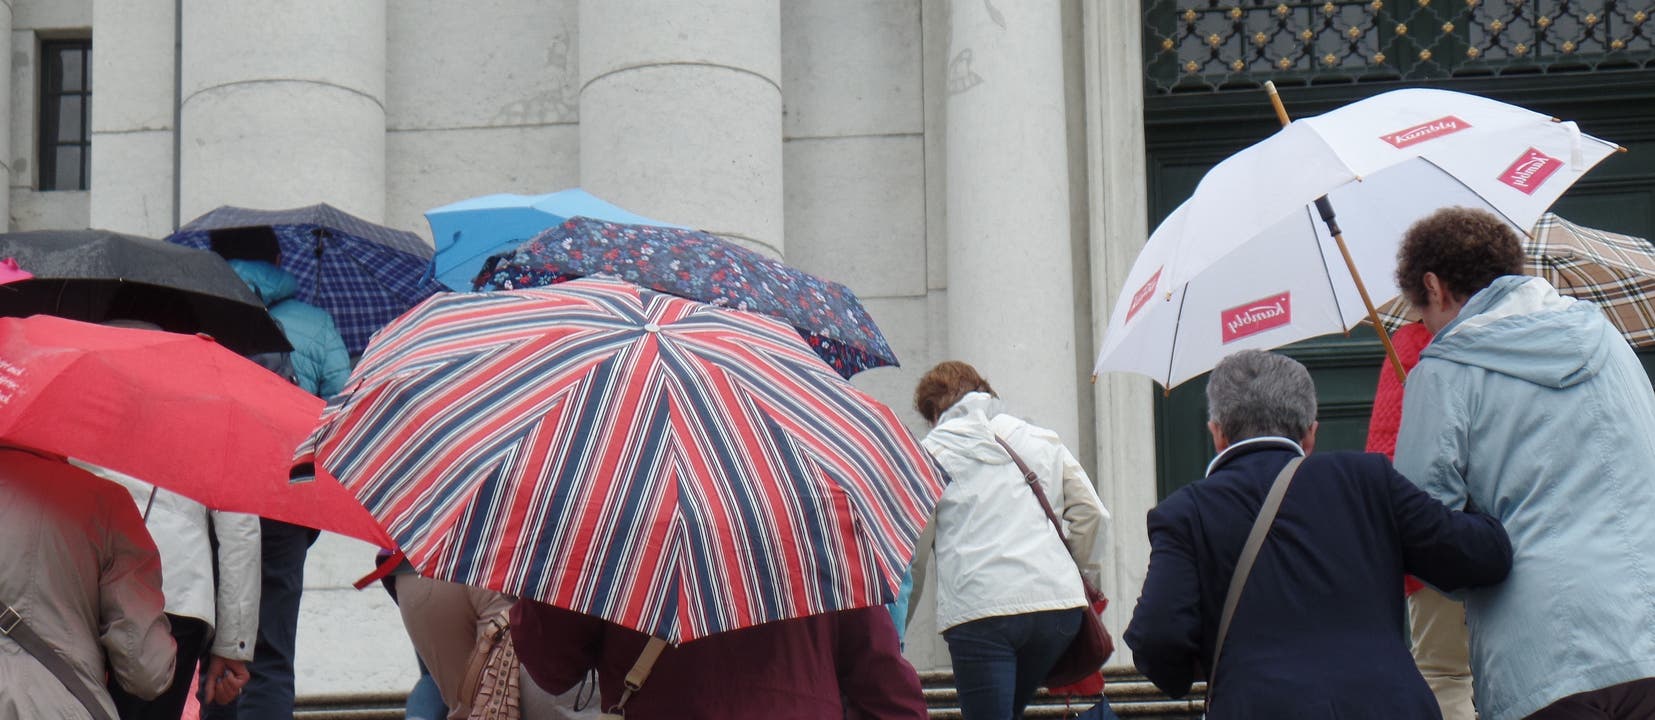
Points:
(469, 231)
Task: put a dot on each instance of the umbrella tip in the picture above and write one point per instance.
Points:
(205, 336)
(1620, 148)
(1094, 378)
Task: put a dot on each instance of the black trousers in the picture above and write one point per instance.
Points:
(192, 635)
(1627, 701)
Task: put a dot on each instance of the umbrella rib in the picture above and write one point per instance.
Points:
(1491, 206)
(1321, 252)
(1177, 326)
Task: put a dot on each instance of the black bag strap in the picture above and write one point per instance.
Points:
(12, 626)
(1249, 554)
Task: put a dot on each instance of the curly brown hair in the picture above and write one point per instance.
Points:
(1466, 248)
(944, 385)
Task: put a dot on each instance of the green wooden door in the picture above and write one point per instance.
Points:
(1198, 114)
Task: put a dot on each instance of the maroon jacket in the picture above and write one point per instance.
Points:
(822, 667)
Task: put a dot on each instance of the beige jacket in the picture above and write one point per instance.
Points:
(76, 563)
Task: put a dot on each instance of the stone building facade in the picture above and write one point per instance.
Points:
(973, 169)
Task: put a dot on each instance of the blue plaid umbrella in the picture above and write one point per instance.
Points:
(363, 274)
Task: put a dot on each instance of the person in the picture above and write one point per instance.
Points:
(1316, 633)
(445, 620)
(320, 364)
(1436, 622)
(1009, 597)
(1531, 406)
(212, 616)
(79, 570)
(820, 667)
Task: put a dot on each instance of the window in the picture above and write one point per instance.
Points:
(65, 114)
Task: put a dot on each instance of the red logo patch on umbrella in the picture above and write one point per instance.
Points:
(1445, 125)
(1530, 171)
(1255, 317)
(1142, 296)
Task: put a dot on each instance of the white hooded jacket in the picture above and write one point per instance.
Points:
(997, 553)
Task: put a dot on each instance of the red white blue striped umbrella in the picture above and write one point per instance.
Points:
(660, 463)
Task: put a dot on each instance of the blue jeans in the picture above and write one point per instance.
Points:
(269, 692)
(1000, 661)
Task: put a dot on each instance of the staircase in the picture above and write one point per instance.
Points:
(1130, 695)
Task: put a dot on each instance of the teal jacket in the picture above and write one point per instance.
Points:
(321, 364)
(1533, 408)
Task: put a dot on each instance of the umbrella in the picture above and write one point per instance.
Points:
(659, 463)
(699, 266)
(10, 272)
(98, 275)
(1617, 272)
(1247, 261)
(179, 411)
(469, 231)
(363, 274)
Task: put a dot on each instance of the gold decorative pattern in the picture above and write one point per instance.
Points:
(1219, 45)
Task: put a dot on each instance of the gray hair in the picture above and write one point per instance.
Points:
(1254, 393)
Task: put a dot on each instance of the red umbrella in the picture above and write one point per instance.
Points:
(178, 411)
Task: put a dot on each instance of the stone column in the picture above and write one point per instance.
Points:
(283, 104)
(134, 68)
(1011, 304)
(681, 113)
(1119, 226)
(6, 115)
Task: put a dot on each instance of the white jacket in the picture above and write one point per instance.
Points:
(179, 527)
(997, 553)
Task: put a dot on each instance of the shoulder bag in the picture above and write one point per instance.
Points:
(492, 681)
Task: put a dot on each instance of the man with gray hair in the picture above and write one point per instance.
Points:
(1317, 630)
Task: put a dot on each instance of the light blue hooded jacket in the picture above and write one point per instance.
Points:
(321, 364)
(1533, 407)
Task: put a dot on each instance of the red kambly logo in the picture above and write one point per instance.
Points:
(1256, 317)
(1142, 296)
(1530, 171)
(1445, 125)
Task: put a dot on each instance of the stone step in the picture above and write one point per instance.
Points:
(1130, 695)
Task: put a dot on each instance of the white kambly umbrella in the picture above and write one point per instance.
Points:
(1247, 261)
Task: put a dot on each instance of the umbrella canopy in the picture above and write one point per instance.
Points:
(469, 231)
(1246, 262)
(656, 462)
(10, 272)
(699, 266)
(98, 275)
(1615, 271)
(363, 274)
(178, 411)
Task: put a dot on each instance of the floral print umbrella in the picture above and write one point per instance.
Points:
(699, 266)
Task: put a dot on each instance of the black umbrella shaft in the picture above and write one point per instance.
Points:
(1326, 209)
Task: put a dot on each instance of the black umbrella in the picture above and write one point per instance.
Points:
(98, 275)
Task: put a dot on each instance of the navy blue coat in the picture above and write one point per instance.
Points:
(1320, 629)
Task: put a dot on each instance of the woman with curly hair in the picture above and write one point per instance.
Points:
(1531, 406)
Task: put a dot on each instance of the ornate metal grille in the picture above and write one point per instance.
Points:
(1196, 45)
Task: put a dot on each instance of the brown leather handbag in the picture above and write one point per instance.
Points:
(1093, 645)
(491, 683)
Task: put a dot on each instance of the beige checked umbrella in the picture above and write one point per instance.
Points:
(1617, 272)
